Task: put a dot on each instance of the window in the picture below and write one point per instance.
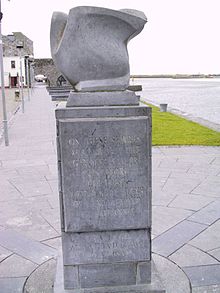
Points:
(12, 64)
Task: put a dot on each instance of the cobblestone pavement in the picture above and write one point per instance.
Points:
(186, 203)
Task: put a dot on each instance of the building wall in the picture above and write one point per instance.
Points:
(12, 53)
(10, 45)
(47, 67)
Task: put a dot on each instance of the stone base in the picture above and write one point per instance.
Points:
(155, 286)
(92, 99)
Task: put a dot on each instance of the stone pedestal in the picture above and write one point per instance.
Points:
(104, 159)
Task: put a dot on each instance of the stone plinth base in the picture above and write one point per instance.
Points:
(155, 286)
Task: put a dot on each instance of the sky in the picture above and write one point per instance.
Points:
(181, 36)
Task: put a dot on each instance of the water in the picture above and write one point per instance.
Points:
(197, 97)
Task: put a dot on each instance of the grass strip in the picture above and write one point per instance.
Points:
(170, 129)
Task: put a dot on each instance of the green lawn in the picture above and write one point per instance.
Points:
(170, 129)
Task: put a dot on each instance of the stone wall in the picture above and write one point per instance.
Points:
(47, 67)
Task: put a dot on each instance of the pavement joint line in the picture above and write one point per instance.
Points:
(52, 238)
(171, 200)
(185, 219)
(213, 160)
(205, 206)
(49, 223)
(166, 181)
(178, 267)
(196, 186)
(12, 253)
(16, 188)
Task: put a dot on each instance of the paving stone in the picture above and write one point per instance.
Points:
(161, 198)
(209, 239)
(209, 187)
(55, 242)
(30, 249)
(178, 185)
(190, 202)
(42, 279)
(158, 182)
(8, 192)
(170, 218)
(34, 188)
(4, 253)
(174, 164)
(205, 169)
(206, 289)
(177, 236)
(12, 285)
(208, 214)
(191, 256)
(215, 253)
(16, 266)
(173, 278)
(203, 275)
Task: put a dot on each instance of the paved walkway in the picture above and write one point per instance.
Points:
(186, 203)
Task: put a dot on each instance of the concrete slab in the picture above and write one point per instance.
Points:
(4, 253)
(190, 202)
(209, 239)
(173, 239)
(27, 248)
(207, 215)
(170, 216)
(12, 285)
(191, 256)
(203, 275)
(16, 266)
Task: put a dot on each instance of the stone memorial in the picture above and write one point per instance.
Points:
(104, 157)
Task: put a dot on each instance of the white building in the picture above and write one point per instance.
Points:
(11, 58)
(12, 71)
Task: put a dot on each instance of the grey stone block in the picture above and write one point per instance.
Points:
(102, 99)
(144, 272)
(156, 286)
(203, 275)
(106, 247)
(176, 237)
(106, 173)
(62, 112)
(101, 275)
(71, 277)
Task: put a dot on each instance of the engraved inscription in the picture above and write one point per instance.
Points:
(105, 175)
(104, 247)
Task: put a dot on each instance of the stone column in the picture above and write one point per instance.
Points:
(104, 159)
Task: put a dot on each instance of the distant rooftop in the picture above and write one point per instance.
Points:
(10, 45)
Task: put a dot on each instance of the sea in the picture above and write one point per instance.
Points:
(196, 97)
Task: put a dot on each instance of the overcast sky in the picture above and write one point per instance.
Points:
(181, 36)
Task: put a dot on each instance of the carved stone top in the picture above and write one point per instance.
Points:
(89, 46)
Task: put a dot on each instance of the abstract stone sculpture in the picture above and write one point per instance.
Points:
(89, 46)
